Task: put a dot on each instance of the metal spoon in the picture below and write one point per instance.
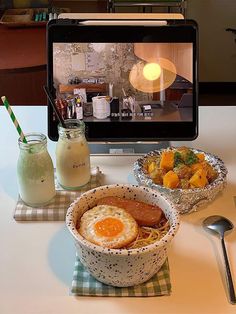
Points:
(220, 225)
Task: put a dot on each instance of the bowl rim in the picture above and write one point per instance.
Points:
(141, 176)
(165, 240)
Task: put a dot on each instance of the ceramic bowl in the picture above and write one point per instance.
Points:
(122, 267)
(188, 200)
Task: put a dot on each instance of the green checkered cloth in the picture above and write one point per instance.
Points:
(84, 284)
(57, 208)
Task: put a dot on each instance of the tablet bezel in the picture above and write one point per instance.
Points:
(72, 30)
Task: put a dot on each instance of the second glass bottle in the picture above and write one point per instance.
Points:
(72, 155)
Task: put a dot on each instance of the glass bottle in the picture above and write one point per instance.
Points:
(72, 155)
(79, 109)
(35, 171)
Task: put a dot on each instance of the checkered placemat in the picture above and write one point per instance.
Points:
(57, 208)
(84, 284)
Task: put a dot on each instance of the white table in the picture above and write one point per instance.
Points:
(37, 259)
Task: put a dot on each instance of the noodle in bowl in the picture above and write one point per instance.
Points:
(122, 267)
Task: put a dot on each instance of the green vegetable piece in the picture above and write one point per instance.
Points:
(177, 159)
(191, 158)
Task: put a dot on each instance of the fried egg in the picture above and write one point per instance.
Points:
(108, 226)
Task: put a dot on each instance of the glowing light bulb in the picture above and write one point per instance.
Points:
(152, 71)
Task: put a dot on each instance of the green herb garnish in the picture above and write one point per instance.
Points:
(177, 159)
(191, 158)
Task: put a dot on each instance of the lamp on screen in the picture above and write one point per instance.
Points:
(159, 64)
(151, 77)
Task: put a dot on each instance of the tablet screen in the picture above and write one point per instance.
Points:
(130, 90)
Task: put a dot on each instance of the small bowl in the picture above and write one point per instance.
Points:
(186, 200)
(122, 267)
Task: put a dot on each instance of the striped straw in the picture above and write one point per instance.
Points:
(13, 118)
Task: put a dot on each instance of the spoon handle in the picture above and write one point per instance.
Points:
(232, 296)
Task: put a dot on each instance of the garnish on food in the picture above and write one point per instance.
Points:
(181, 168)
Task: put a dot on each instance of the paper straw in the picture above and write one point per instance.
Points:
(13, 118)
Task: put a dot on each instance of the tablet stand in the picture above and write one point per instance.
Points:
(126, 148)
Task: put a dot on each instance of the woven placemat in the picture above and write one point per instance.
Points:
(84, 284)
(57, 208)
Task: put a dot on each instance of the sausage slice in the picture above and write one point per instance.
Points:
(144, 214)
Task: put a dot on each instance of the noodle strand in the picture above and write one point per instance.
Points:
(148, 235)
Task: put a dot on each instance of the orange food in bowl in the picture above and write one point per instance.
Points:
(199, 179)
(181, 168)
(171, 180)
(167, 160)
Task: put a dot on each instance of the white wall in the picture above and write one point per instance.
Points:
(217, 47)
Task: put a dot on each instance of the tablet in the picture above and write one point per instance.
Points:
(125, 79)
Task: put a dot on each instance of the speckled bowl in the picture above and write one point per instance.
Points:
(188, 200)
(122, 267)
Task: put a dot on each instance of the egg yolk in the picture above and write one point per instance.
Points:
(108, 227)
